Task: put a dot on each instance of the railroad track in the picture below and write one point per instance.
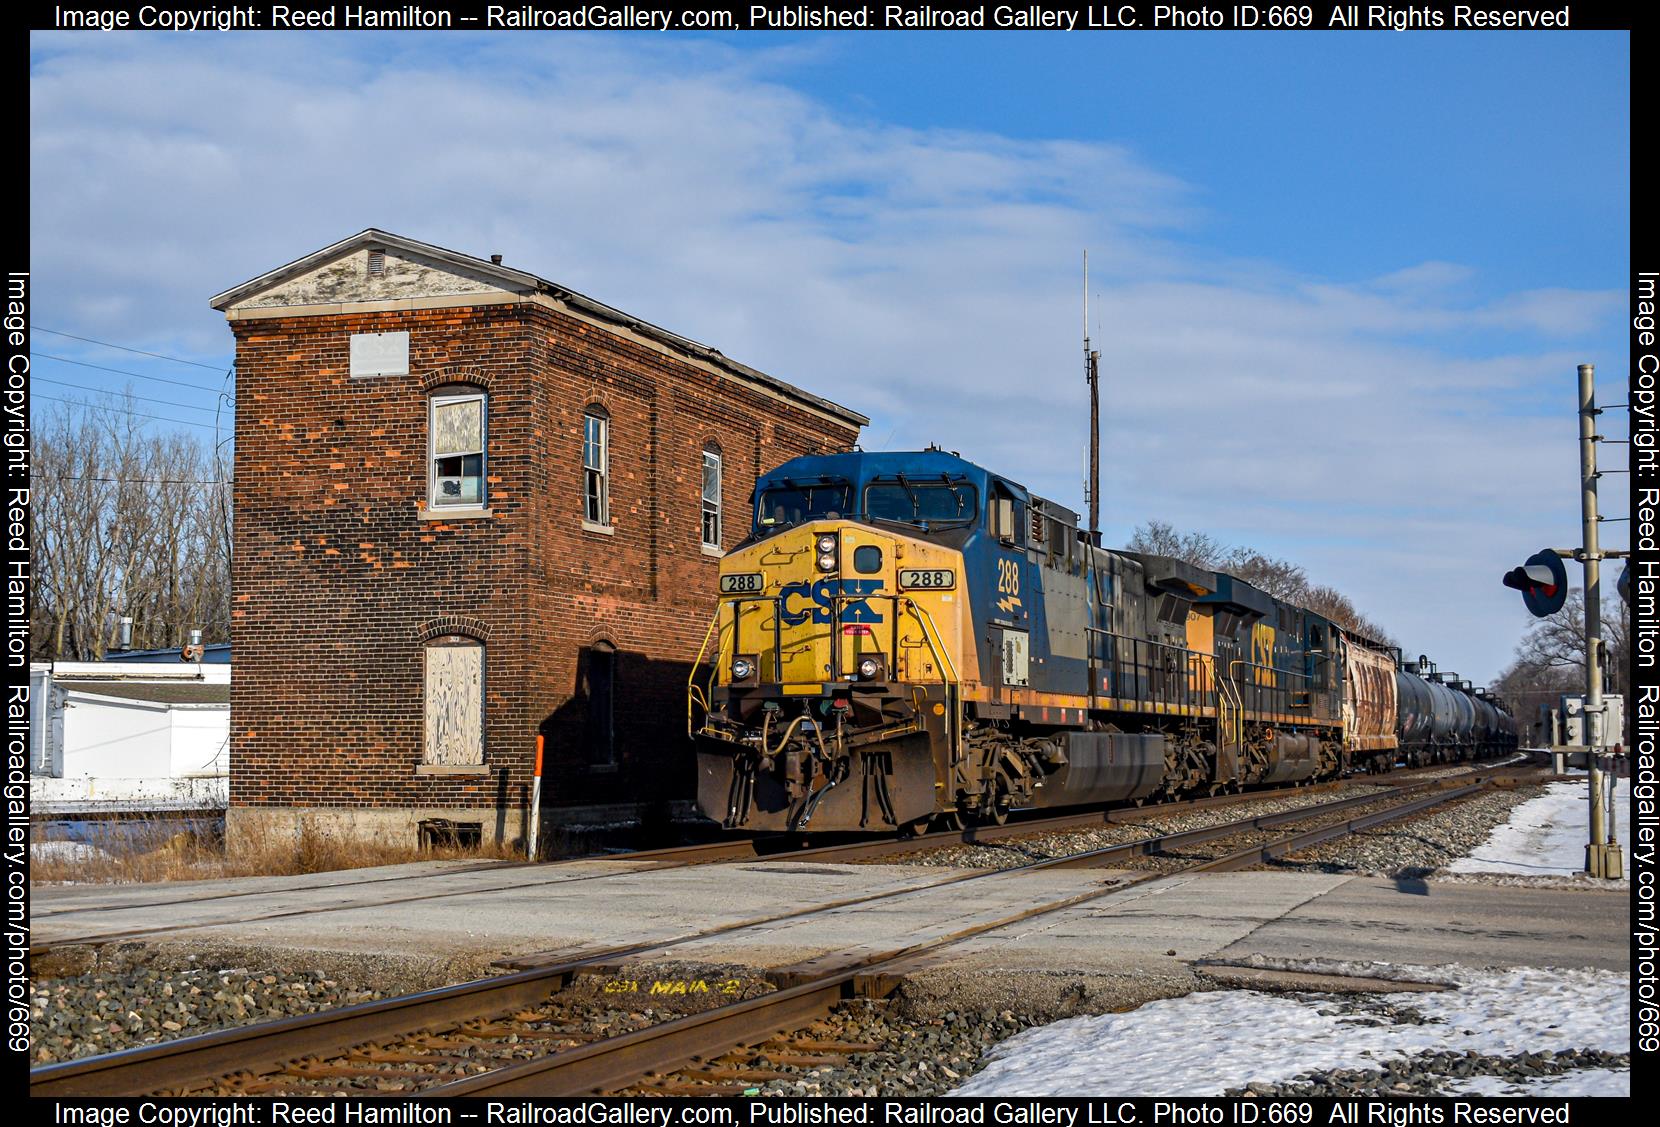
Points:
(779, 847)
(513, 1034)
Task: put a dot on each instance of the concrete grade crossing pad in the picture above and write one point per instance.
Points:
(1153, 929)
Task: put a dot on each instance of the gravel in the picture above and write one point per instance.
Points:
(918, 1057)
(1433, 1073)
(110, 1004)
(1436, 1074)
(1414, 848)
(101, 1011)
(1012, 852)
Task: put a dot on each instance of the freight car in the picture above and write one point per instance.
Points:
(908, 637)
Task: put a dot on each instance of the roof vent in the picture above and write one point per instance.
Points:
(377, 263)
(495, 259)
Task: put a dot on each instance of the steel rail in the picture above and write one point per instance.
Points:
(1296, 843)
(671, 857)
(772, 848)
(983, 835)
(187, 1061)
(742, 849)
(1097, 858)
(620, 1061)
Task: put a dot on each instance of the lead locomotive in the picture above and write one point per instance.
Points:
(907, 637)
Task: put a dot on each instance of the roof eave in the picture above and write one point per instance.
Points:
(520, 282)
(374, 236)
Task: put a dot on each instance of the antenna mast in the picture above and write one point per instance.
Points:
(1092, 375)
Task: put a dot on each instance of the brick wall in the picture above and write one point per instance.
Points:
(339, 581)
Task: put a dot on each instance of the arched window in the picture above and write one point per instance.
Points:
(456, 429)
(711, 498)
(596, 466)
(454, 701)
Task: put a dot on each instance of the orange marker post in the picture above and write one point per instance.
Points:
(535, 804)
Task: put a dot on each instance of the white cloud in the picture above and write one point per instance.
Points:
(929, 278)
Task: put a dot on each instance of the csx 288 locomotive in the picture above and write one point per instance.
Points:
(907, 637)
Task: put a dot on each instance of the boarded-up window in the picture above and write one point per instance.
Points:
(455, 702)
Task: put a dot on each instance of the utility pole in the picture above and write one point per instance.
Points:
(1092, 376)
(1603, 857)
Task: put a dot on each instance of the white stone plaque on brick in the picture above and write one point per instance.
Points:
(380, 354)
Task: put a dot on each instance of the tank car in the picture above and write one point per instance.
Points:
(1443, 718)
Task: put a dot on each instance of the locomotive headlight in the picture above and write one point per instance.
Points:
(829, 548)
(868, 668)
(742, 669)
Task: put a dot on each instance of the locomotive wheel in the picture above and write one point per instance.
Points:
(994, 811)
(998, 813)
(947, 821)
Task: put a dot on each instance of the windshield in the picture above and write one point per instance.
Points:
(792, 505)
(921, 502)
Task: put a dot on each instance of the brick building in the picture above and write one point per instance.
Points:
(474, 507)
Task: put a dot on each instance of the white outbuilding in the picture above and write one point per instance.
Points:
(128, 736)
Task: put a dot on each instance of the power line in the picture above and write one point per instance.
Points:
(124, 372)
(73, 477)
(142, 480)
(124, 348)
(109, 391)
(124, 411)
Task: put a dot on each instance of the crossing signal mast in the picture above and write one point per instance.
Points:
(1543, 582)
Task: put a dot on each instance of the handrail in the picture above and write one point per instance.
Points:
(955, 699)
(929, 632)
(693, 695)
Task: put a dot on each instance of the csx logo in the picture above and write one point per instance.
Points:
(801, 601)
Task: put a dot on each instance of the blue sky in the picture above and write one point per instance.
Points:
(1298, 145)
(1339, 281)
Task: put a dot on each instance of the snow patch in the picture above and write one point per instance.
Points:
(70, 851)
(1190, 1046)
(1546, 836)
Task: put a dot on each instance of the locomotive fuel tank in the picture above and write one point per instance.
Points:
(1103, 767)
(1292, 759)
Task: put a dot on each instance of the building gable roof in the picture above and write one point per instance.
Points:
(467, 274)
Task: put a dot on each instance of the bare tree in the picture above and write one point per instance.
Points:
(126, 523)
(1158, 538)
(1550, 658)
(1280, 578)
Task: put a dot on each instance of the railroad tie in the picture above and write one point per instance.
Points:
(690, 1089)
(750, 1075)
(825, 1046)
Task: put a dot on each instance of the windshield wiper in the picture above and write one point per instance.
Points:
(916, 502)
